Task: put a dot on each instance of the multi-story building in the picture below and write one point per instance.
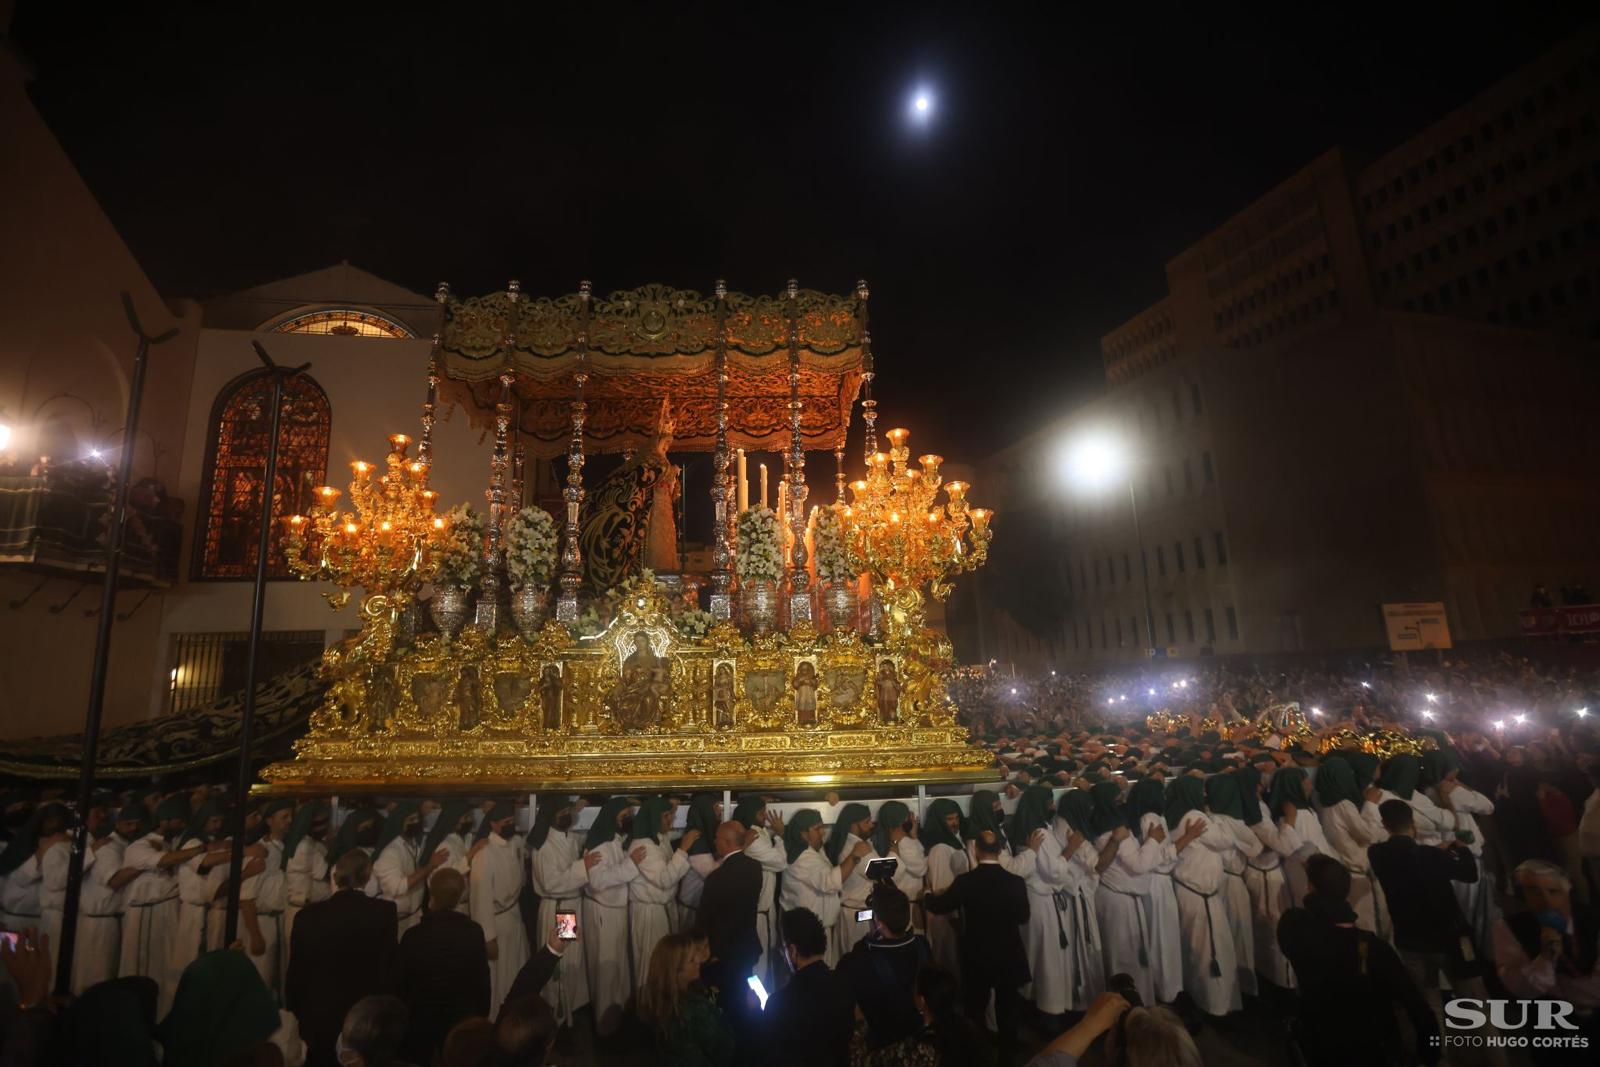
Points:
(1370, 385)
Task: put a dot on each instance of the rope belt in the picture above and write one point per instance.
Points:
(508, 907)
(1211, 933)
(1138, 911)
(99, 915)
(150, 903)
(24, 914)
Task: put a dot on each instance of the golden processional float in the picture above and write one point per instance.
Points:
(810, 662)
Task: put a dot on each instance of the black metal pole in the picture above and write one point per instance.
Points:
(247, 717)
(102, 648)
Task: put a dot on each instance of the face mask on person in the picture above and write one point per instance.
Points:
(318, 831)
(563, 821)
(625, 824)
(413, 831)
(508, 831)
(464, 827)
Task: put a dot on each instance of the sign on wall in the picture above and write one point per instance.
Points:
(1414, 627)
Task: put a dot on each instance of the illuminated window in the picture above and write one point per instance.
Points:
(236, 463)
(347, 322)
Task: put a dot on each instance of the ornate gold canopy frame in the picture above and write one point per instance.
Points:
(659, 698)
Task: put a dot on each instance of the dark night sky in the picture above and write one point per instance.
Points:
(1071, 154)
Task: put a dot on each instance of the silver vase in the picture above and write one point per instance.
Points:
(530, 606)
(760, 603)
(448, 608)
(840, 602)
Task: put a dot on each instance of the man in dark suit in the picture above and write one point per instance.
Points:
(994, 907)
(728, 903)
(728, 914)
(812, 1018)
(342, 949)
(442, 971)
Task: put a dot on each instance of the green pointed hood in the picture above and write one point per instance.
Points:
(849, 815)
(935, 832)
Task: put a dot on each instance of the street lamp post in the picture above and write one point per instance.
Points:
(1097, 462)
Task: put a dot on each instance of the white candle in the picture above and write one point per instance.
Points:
(783, 516)
(744, 484)
(763, 485)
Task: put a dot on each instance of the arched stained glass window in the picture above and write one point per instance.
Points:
(236, 465)
(349, 322)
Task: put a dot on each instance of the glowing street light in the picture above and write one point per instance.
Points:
(1427, 715)
(1519, 719)
(1316, 711)
(1096, 462)
(1433, 698)
(1582, 713)
(1499, 724)
(1366, 685)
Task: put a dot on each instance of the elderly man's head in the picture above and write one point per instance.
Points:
(1545, 887)
(730, 838)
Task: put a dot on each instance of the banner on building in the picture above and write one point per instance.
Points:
(1553, 622)
(1415, 627)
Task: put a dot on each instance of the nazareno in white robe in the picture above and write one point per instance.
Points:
(1122, 908)
(1062, 937)
(559, 878)
(945, 864)
(1210, 968)
(1161, 920)
(853, 893)
(1350, 832)
(1269, 897)
(768, 851)
(497, 880)
(1477, 899)
(150, 918)
(99, 917)
(1236, 897)
(812, 882)
(652, 900)
(605, 935)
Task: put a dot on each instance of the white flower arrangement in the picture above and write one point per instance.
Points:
(531, 544)
(459, 557)
(694, 623)
(759, 557)
(837, 560)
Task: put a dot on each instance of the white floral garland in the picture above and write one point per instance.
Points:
(531, 544)
(837, 561)
(459, 557)
(759, 558)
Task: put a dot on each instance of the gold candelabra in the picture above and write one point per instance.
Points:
(909, 538)
(383, 546)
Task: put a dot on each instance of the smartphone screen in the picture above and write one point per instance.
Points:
(567, 925)
(758, 989)
(9, 939)
(864, 915)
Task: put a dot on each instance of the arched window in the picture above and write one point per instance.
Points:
(348, 322)
(236, 464)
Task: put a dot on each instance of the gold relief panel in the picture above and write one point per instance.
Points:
(637, 703)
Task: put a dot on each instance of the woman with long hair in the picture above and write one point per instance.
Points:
(689, 1027)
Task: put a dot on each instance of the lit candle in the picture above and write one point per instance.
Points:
(359, 468)
(763, 485)
(398, 442)
(744, 484)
